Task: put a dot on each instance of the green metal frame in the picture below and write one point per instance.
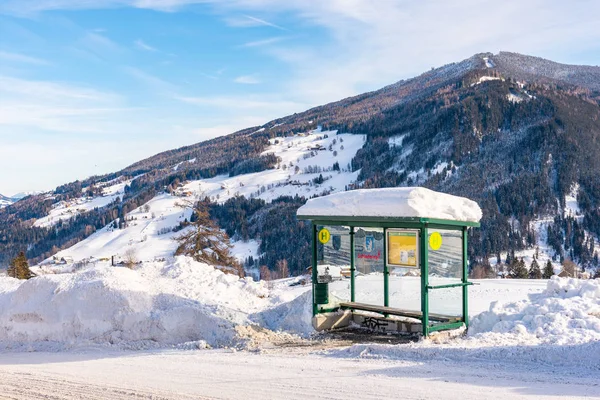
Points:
(423, 225)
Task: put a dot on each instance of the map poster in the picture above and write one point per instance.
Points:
(402, 248)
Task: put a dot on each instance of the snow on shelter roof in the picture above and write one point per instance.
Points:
(404, 202)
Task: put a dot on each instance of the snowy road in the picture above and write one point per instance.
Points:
(278, 374)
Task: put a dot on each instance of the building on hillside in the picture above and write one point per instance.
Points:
(566, 274)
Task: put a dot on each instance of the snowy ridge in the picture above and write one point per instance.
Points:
(7, 201)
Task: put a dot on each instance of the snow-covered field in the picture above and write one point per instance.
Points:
(149, 234)
(72, 334)
(303, 158)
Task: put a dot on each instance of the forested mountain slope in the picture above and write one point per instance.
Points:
(519, 134)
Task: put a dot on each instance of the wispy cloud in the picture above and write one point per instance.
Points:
(52, 106)
(247, 80)
(144, 46)
(150, 80)
(99, 45)
(21, 58)
(248, 21)
(264, 42)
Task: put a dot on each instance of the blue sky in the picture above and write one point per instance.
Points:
(90, 86)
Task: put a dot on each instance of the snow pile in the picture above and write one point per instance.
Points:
(566, 313)
(294, 316)
(158, 305)
(559, 327)
(393, 202)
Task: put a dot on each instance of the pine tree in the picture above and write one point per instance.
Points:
(205, 242)
(534, 270)
(19, 267)
(517, 269)
(548, 270)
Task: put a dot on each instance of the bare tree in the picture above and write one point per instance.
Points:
(130, 258)
(265, 273)
(282, 269)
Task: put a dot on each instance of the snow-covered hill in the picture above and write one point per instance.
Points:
(5, 201)
(304, 158)
(149, 232)
(65, 210)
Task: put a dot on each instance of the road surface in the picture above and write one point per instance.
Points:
(274, 374)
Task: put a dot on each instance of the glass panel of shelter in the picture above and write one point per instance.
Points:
(445, 249)
(333, 264)
(404, 266)
(369, 261)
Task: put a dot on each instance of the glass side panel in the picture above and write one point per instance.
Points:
(405, 271)
(333, 263)
(445, 259)
(445, 267)
(405, 291)
(368, 246)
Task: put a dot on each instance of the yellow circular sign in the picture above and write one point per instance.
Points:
(324, 235)
(435, 240)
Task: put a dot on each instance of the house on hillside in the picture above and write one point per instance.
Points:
(566, 274)
(570, 272)
(62, 260)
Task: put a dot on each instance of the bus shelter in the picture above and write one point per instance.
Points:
(391, 259)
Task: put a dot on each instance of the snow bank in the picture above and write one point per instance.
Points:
(393, 202)
(566, 313)
(559, 327)
(157, 305)
(294, 316)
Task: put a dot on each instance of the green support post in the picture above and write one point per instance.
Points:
(386, 272)
(352, 265)
(465, 293)
(314, 268)
(425, 279)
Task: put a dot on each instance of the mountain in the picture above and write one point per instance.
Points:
(519, 134)
(6, 201)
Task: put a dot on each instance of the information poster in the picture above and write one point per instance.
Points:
(402, 249)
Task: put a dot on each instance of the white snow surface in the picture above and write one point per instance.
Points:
(157, 304)
(393, 202)
(303, 158)
(542, 336)
(149, 234)
(566, 313)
